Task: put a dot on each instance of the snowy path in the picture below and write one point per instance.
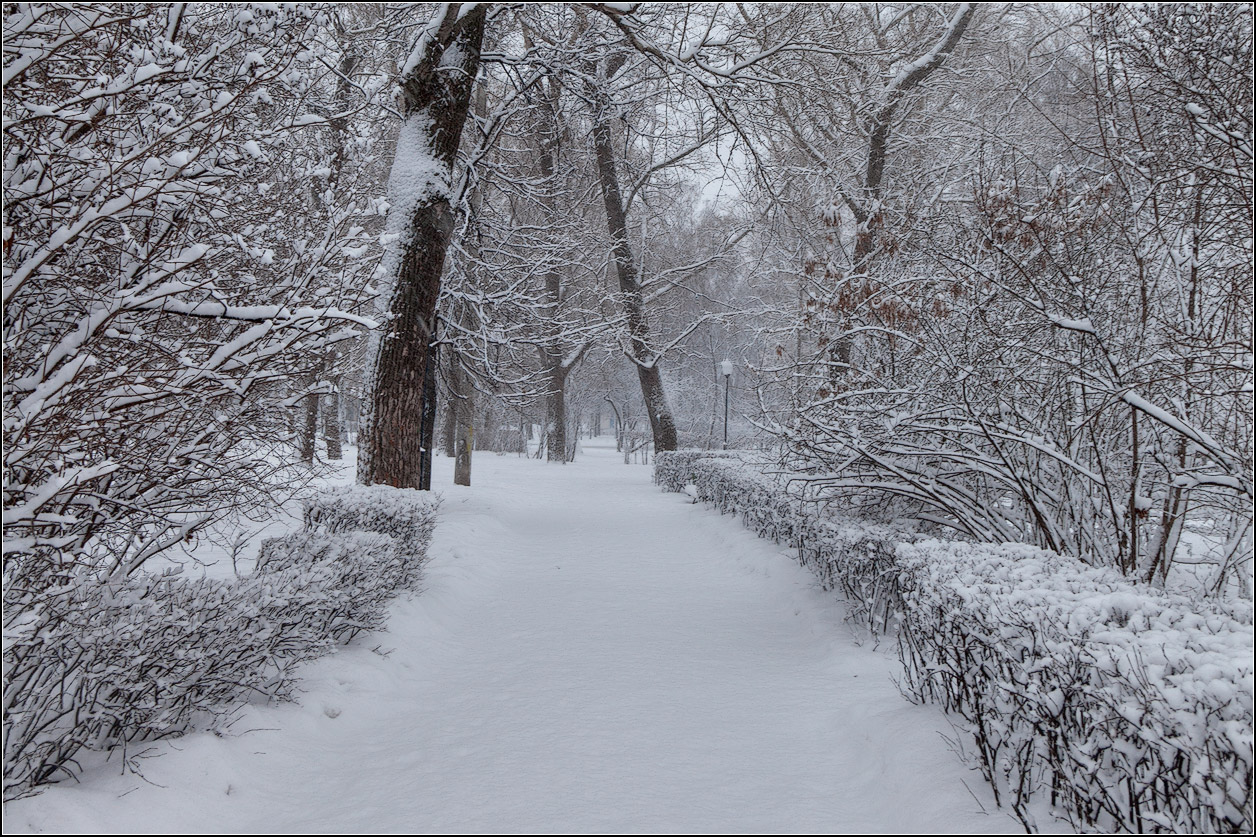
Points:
(590, 654)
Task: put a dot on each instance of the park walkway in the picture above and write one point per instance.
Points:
(589, 655)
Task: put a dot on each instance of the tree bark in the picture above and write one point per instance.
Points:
(460, 432)
(618, 423)
(338, 124)
(427, 422)
(465, 441)
(309, 428)
(451, 407)
(547, 131)
(331, 421)
(556, 414)
(436, 93)
(643, 357)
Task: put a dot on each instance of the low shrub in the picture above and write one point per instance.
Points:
(673, 468)
(1132, 707)
(1129, 707)
(99, 664)
(407, 514)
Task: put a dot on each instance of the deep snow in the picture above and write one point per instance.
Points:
(589, 655)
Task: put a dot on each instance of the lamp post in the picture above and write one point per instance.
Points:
(726, 367)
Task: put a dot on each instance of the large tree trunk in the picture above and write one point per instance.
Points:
(436, 91)
(644, 358)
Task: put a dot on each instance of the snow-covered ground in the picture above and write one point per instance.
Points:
(589, 655)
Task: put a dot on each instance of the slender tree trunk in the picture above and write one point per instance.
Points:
(309, 428)
(619, 425)
(866, 209)
(556, 414)
(490, 435)
(331, 421)
(449, 435)
(338, 124)
(644, 358)
(427, 423)
(452, 395)
(461, 419)
(552, 354)
(460, 375)
(465, 439)
(436, 92)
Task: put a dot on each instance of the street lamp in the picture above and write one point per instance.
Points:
(726, 367)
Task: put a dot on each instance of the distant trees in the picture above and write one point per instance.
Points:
(529, 270)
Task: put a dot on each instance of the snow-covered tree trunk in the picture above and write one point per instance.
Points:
(309, 427)
(436, 89)
(331, 420)
(449, 428)
(866, 207)
(556, 413)
(643, 357)
(552, 355)
(427, 424)
(465, 435)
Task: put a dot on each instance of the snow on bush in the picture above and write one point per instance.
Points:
(106, 663)
(856, 557)
(673, 468)
(352, 574)
(1131, 705)
(1128, 707)
(403, 513)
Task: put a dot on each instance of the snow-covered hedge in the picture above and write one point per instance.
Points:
(103, 664)
(672, 468)
(1128, 708)
(854, 556)
(404, 513)
(1131, 706)
(858, 559)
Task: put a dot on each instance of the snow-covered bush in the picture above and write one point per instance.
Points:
(352, 574)
(673, 469)
(163, 304)
(403, 513)
(1129, 707)
(105, 664)
(858, 558)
